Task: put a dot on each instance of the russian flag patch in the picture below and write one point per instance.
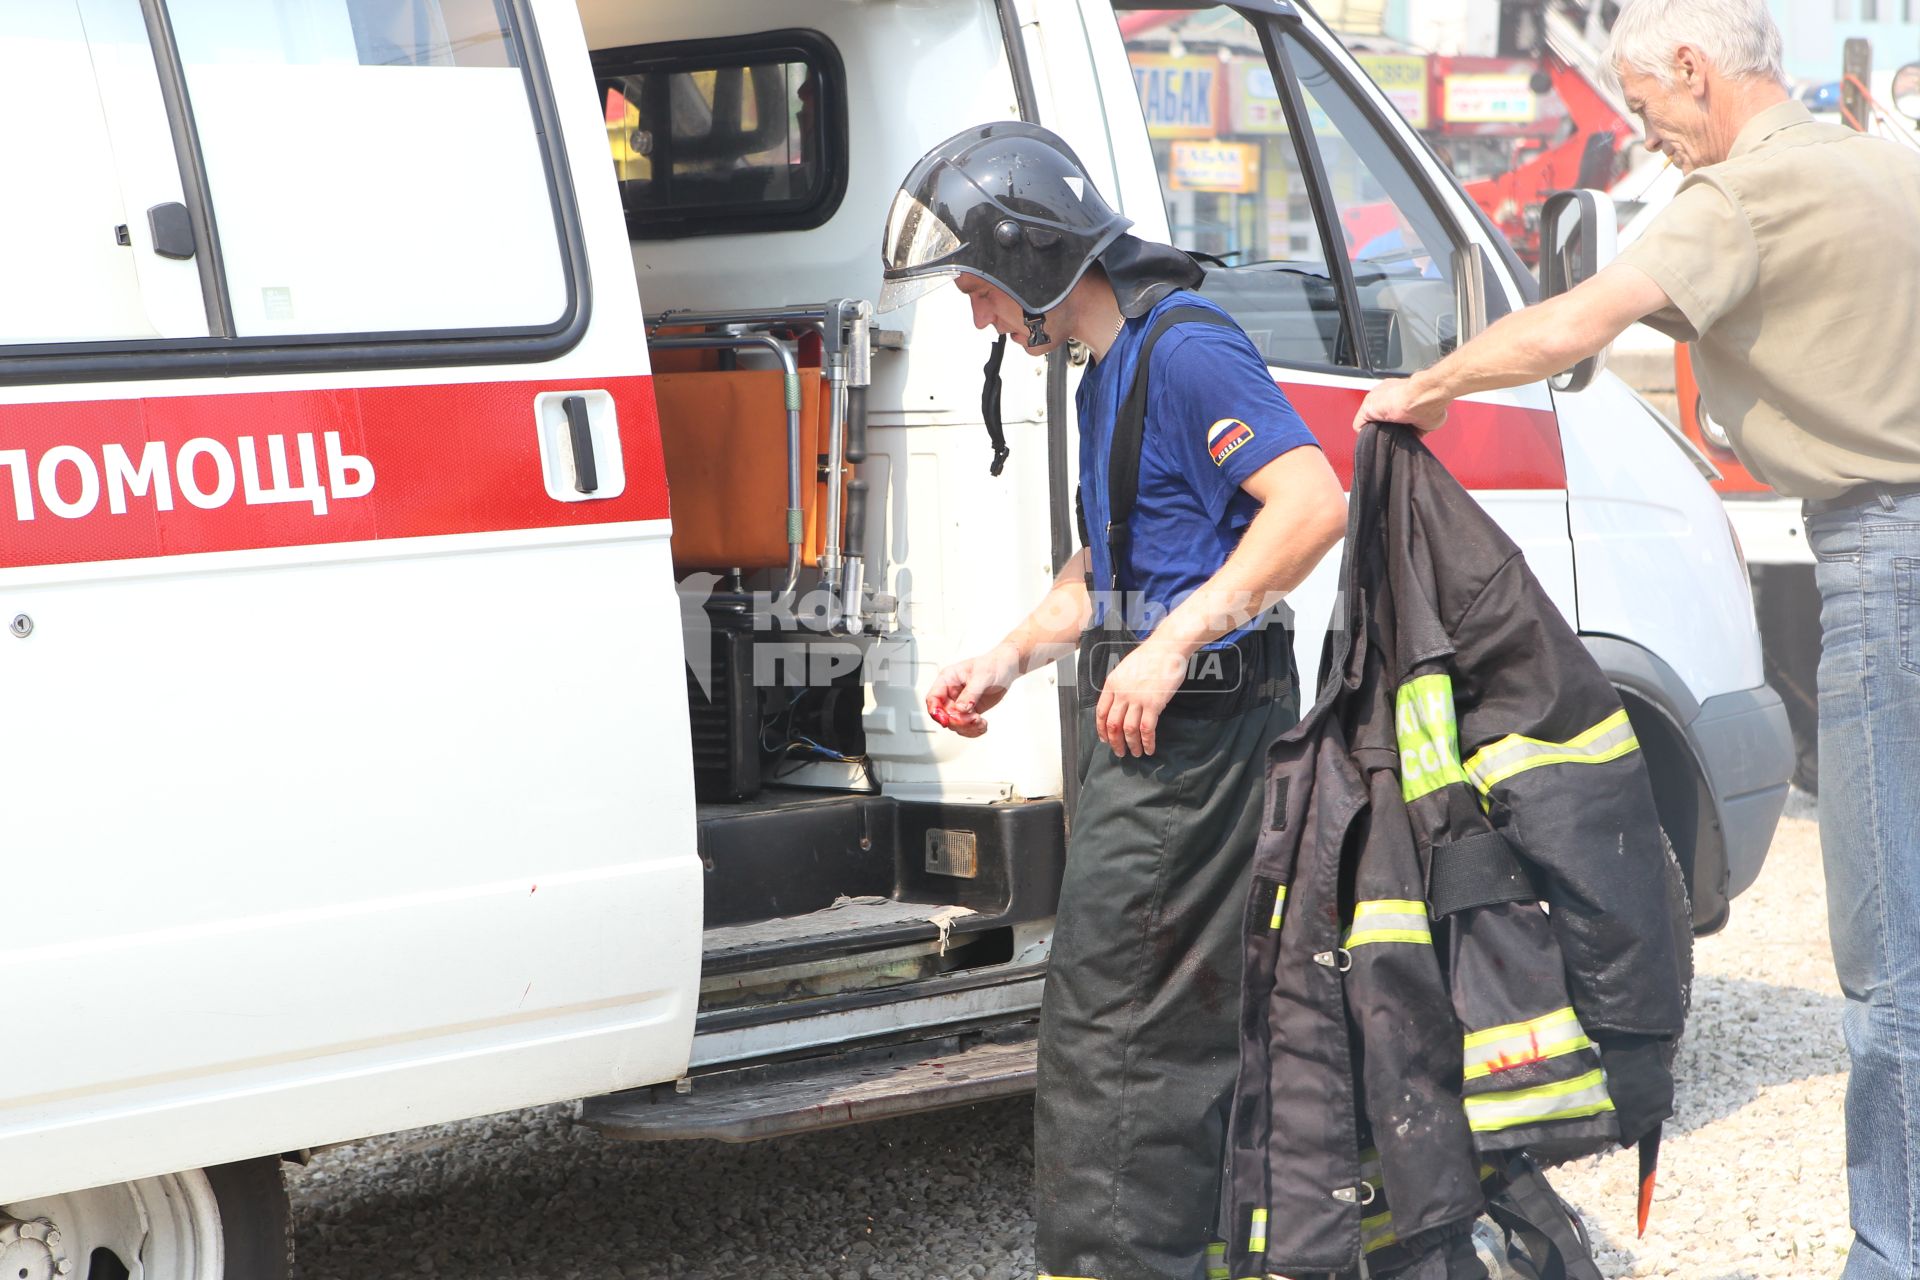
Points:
(1224, 437)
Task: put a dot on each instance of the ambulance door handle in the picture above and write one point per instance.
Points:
(586, 476)
(172, 230)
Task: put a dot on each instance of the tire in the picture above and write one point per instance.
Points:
(224, 1223)
(255, 1219)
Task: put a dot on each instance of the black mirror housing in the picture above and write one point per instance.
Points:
(1578, 232)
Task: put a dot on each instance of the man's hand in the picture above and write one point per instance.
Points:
(1399, 400)
(963, 692)
(1135, 694)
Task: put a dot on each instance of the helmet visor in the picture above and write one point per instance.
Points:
(895, 294)
(916, 237)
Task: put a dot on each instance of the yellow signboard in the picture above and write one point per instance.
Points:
(1403, 78)
(1229, 167)
(1179, 96)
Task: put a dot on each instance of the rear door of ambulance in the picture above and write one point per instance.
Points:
(345, 775)
(1332, 235)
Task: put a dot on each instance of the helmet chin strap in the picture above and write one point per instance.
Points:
(1036, 329)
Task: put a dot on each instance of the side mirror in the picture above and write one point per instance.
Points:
(1906, 91)
(1578, 234)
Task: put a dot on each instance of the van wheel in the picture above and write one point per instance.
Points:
(226, 1223)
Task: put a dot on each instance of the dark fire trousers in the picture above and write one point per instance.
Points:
(1139, 1043)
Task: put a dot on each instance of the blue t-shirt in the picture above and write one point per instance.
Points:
(1214, 417)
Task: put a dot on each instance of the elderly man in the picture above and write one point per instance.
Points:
(1789, 258)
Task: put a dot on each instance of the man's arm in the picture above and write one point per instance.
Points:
(1052, 630)
(1523, 346)
(963, 692)
(1302, 514)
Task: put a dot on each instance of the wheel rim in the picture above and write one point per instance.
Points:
(165, 1228)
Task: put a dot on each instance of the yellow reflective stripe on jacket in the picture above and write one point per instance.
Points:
(1428, 735)
(1279, 906)
(1377, 1232)
(1565, 1100)
(1388, 920)
(1513, 754)
(1518, 1043)
(1370, 1167)
(1257, 1235)
(1217, 1263)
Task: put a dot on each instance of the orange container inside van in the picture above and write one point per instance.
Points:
(724, 434)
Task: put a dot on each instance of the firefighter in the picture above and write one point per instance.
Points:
(1786, 259)
(1186, 676)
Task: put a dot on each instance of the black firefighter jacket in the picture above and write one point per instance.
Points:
(1460, 943)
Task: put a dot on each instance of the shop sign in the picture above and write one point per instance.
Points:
(1403, 78)
(1488, 99)
(1178, 95)
(1254, 100)
(1227, 167)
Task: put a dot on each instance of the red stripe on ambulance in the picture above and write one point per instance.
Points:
(174, 475)
(1485, 446)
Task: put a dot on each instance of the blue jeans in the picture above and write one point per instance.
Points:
(1868, 569)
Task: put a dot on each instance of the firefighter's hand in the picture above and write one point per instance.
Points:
(1402, 400)
(1135, 694)
(964, 692)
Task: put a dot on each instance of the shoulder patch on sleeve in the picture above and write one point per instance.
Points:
(1225, 437)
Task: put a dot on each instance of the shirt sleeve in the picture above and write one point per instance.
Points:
(1217, 411)
(1702, 254)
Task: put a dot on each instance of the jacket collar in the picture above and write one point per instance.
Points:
(1781, 115)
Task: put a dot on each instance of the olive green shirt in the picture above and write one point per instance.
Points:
(1794, 269)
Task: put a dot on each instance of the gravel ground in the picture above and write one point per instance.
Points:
(1751, 1174)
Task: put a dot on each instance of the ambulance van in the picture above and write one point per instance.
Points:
(472, 558)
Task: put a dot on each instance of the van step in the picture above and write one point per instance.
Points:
(850, 924)
(824, 1093)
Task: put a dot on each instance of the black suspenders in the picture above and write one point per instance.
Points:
(1129, 430)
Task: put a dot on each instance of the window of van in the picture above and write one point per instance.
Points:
(374, 165)
(1239, 184)
(1400, 247)
(726, 136)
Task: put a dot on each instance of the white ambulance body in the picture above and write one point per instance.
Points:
(355, 776)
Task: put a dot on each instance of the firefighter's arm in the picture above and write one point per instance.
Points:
(1521, 347)
(963, 692)
(1302, 515)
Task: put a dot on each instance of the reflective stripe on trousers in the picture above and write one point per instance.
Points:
(1216, 1266)
(1584, 1095)
(1518, 1043)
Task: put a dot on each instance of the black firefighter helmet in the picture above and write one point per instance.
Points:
(1008, 202)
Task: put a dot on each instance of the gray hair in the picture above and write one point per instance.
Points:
(1738, 37)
